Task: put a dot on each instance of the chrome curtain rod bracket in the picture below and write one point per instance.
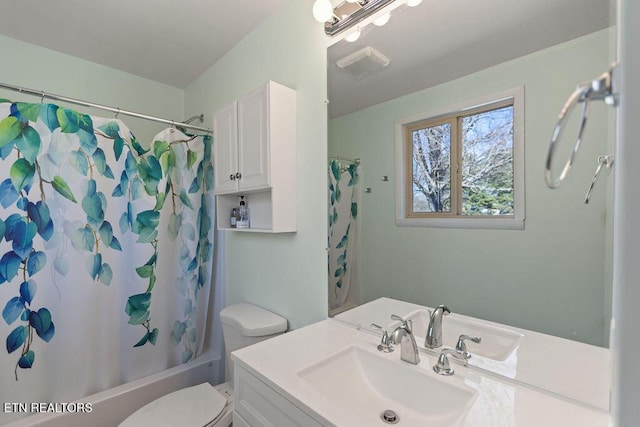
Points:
(199, 118)
(602, 88)
(118, 111)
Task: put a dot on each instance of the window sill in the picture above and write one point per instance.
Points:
(470, 223)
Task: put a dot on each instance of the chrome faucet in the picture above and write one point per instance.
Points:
(461, 346)
(434, 330)
(443, 367)
(404, 336)
(385, 345)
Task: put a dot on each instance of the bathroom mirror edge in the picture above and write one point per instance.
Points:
(538, 299)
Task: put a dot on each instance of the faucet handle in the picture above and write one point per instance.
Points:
(443, 367)
(385, 345)
(406, 323)
(461, 346)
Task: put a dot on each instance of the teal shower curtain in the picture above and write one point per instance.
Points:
(343, 214)
(106, 250)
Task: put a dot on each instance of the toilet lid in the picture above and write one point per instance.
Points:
(189, 407)
(252, 321)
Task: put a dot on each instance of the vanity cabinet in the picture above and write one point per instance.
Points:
(254, 141)
(331, 373)
(257, 405)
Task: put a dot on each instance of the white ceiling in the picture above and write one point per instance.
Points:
(173, 42)
(169, 41)
(444, 39)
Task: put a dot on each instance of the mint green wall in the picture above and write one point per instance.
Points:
(284, 273)
(550, 277)
(34, 67)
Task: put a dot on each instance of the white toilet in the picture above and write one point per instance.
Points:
(204, 405)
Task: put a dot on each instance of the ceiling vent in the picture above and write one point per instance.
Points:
(363, 62)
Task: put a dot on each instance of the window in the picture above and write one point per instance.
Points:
(464, 164)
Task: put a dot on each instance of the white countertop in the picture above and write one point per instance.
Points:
(278, 361)
(569, 368)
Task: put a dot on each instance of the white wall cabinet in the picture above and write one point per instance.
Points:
(254, 141)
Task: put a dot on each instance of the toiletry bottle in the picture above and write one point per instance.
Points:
(234, 218)
(243, 220)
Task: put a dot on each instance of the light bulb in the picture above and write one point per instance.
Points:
(413, 3)
(353, 36)
(322, 10)
(381, 20)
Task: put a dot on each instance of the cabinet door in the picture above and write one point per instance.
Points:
(258, 405)
(253, 140)
(225, 149)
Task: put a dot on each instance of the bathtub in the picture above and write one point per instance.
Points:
(110, 407)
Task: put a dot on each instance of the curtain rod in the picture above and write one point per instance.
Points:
(118, 111)
(357, 161)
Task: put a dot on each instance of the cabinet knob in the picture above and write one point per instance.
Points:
(232, 177)
(238, 175)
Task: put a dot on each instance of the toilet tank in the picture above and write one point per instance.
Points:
(246, 324)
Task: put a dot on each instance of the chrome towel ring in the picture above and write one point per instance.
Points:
(601, 88)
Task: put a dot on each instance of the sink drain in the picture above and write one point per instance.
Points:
(390, 417)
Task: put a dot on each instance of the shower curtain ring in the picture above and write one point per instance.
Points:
(117, 112)
(42, 97)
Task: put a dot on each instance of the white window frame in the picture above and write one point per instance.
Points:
(515, 222)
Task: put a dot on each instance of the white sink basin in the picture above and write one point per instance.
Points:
(369, 384)
(497, 343)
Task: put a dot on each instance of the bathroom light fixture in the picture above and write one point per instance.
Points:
(413, 3)
(347, 14)
(380, 21)
(322, 10)
(353, 36)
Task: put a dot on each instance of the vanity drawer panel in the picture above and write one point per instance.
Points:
(257, 405)
(238, 421)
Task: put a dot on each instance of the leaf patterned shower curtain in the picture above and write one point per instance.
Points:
(105, 252)
(343, 215)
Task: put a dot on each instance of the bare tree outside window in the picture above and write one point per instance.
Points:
(463, 164)
(432, 169)
(487, 163)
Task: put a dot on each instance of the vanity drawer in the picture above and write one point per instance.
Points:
(238, 421)
(258, 405)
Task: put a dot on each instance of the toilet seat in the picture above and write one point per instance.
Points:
(196, 406)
